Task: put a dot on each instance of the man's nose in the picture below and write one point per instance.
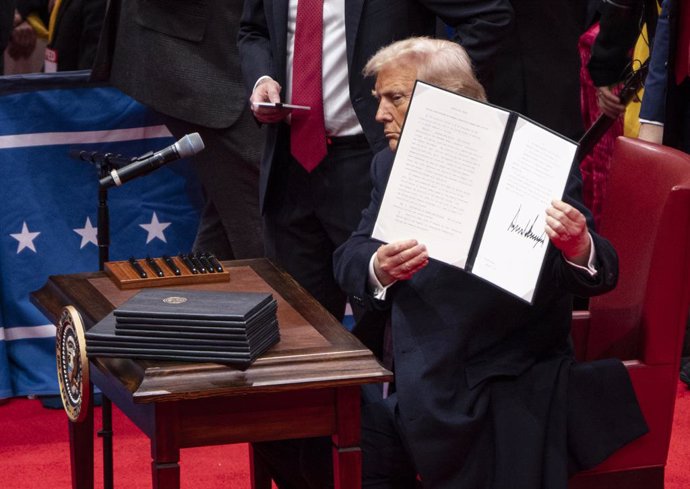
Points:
(382, 113)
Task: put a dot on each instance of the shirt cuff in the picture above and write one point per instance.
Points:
(377, 289)
(262, 78)
(590, 268)
(653, 123)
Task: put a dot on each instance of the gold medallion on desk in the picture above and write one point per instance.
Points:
(72, 364)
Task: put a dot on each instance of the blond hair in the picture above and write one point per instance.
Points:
(438, 62)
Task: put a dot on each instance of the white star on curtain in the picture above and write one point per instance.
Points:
(25, 238)
(155, 229)
(88, 233)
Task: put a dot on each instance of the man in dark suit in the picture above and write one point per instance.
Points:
(487, 390)
(180, 58)
(487, 393)
(309, 212)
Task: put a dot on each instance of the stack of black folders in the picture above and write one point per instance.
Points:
(189, 325)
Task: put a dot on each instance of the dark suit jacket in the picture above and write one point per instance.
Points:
(175, 45)
(369, 25)
(619, 28)
(77, 30)
(486, 382)
(40, 7)
(6, 19)
(538, 70)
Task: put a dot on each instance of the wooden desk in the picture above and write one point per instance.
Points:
(306, 385)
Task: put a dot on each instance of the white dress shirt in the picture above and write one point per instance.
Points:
(339, 114)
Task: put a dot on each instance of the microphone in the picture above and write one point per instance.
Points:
(188, 145)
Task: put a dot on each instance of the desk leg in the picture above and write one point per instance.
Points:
(81, 451)
(258, 472)
(347, 455)
(165, 450)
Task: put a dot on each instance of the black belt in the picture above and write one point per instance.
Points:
(357, 141)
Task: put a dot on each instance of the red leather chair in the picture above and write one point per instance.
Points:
(647, 218)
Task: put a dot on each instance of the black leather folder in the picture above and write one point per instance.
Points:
(103, 334)
(258, 320)
(102, 341)
(194, 304)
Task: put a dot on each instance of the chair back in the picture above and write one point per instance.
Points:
(646, 216)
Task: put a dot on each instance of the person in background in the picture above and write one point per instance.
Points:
(665, 112)
(315, 165)
(620, 23)
(180, 58)
(605, 50)
(74, 29)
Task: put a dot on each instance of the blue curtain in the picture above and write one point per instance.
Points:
(49, 200)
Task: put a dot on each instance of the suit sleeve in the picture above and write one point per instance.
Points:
(653, 108)
(351, 259)
(572, 279)
(480, 26)
(619, 28)
(254, 44)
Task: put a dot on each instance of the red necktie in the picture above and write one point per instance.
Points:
(308, 131)
(682, 67)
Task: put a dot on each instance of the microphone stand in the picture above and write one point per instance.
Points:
(103, 238)
(105, 164)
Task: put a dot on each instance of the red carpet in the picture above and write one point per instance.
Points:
(34, 452)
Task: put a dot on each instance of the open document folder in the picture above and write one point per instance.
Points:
(472, 182)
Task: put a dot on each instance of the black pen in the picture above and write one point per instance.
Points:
(171, 265)
(188, 263)
(197, 263)
(154, 266)
(137, 268)
(204, 262)
(214, 262)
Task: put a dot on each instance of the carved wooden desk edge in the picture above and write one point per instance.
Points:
(350, 363)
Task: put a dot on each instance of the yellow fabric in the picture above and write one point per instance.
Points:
(53, 19)
(37, 25)
(631, 121)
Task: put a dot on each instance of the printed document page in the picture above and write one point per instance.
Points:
(514, 242)
(443, 165)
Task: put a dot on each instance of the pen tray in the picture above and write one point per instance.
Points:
(125, 277)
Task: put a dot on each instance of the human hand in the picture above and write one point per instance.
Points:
(566, 227)
(399, 260)
(267, 90)
(609, 103)
(22, 40)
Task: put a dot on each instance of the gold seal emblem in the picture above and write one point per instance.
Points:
(72, 364)
(175, 300)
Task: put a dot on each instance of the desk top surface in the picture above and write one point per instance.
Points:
(315, 351)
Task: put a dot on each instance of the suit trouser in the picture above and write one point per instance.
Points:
(308, 215)
(307, 463)
(228, 168)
